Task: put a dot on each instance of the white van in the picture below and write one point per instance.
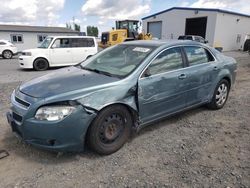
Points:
(59, 51)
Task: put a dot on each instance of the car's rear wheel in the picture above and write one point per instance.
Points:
(7, 54)
(41, 64)
(110, 130)
(220, 95)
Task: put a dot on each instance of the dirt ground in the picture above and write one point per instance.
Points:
(197, 148)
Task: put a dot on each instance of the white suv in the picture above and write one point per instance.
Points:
(59, 51)
(7, 49)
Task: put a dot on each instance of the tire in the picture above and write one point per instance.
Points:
(40, 64)
(246, 45)
(220, 95)
(7, 54)
(110, 130)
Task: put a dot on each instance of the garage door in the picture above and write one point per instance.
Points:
(155, 29)
(196, 26)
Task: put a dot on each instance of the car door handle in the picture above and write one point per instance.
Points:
(182, 76)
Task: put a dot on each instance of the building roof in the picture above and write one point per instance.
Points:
(40, 29)
(199, 9)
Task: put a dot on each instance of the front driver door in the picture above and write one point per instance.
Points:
(162, 87)
(60, 52)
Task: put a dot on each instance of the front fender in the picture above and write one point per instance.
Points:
(99, 99)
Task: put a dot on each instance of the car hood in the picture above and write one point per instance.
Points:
(63, 81)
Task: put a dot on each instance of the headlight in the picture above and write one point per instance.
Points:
(53, 113)
(26, 53)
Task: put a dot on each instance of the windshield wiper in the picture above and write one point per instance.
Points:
(99, 71)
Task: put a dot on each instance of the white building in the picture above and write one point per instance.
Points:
(25, 37)
(221, 28)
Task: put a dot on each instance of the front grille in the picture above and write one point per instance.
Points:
(22, 102)
(17, 117)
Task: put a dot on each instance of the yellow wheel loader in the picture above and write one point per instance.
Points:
(126, 30)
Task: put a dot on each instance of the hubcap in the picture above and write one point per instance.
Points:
(7, 54)
(111, 128)
(221, 94)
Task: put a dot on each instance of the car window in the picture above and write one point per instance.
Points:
(61, 43)
(118, 61)
(82, 42)
(166, 61)
(2, 43)
(189, 37)
(181, 37)
(196, 55)
(202, 40)
(197, 39)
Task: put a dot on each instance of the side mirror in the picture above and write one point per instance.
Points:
(206, 41)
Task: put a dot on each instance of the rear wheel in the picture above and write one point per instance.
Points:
(41, 64)
(110, 130)
(7, 54)
(220, 95)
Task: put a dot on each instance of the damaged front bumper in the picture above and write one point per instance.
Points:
(66, 135)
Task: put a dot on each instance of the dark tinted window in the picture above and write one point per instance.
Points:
(2, 43)
(82, 42)
(181, 37)
(189, 38)
(197, 55)
(166, 61)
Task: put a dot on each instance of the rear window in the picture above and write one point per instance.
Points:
(181, 38)
(197, 55)
(82, 42)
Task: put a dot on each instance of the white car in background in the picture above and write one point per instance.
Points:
(59, 51)
(7, 49)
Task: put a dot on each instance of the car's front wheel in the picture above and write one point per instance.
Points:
(220, 95)
(41, 64)
(7, 54)
(110, 129)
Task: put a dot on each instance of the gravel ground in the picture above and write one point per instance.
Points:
(197, 148)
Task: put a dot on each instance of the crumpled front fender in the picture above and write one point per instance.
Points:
(99, 99)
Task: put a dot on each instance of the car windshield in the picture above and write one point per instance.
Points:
(46, 42)
(118, 61)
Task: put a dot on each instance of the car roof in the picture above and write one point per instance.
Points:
(2, 40)
(65, 36)
(158, 43)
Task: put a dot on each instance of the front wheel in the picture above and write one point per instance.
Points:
(220, 95)
(110, 130)
(40, 64)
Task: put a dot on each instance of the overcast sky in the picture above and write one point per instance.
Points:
(101, 13)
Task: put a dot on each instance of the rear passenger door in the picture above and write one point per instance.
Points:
(202, 70)
(82, 48)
